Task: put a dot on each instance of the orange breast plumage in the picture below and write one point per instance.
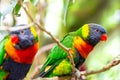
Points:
(21, 56)
(83, 47)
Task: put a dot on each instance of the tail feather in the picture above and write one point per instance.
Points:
(44, 73)
(49, 70)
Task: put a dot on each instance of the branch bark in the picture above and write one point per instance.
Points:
(114, 62)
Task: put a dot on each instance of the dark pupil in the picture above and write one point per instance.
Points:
(97, 30)
(22, 31)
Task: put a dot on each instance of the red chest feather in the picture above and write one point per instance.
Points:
(21, 56)
(83, 47)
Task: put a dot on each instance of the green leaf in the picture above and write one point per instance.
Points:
(17, 8)
(34, 2)
(67, 3)
(65, 11)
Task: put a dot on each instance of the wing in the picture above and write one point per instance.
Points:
(2, 50)
(56, 55)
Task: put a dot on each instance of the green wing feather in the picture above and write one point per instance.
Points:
(57, 54)
(3, 74)
(2, 50)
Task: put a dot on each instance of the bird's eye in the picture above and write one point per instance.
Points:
(22, 32)
(96, 30)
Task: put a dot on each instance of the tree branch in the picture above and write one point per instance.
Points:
(83, 74)
(114, 62)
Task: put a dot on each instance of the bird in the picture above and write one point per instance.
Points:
(81, 42)
(17, 52)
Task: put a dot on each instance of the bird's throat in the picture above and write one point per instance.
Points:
(83, 47)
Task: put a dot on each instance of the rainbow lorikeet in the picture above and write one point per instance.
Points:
(17, 51)
(81, 42)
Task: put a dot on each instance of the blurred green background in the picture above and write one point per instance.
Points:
(63, 16)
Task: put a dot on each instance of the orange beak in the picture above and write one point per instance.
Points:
(103, 37)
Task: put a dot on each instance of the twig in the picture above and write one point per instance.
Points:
(114, 62)
(68, 50)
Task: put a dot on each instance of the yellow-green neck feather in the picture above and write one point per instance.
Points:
(34, 32)
(84, 31)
